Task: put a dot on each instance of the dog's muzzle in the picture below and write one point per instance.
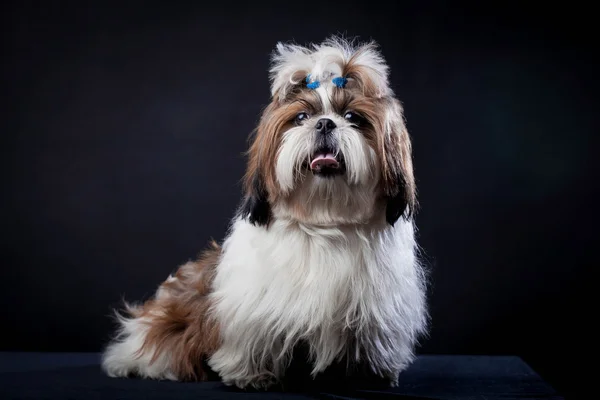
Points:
(326, 160)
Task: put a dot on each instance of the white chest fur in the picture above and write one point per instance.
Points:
(325, 286)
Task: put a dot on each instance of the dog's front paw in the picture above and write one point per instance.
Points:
(263, 382)
(258, 382)
(392, 377)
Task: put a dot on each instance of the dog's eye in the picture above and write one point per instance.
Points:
(352, 117)
(301, 117)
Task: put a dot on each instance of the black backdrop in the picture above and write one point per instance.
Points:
(124, 127)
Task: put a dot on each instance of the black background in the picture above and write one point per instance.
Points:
(124, 127)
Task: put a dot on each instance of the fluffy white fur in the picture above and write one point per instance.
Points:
(321, 285)
(292, 63)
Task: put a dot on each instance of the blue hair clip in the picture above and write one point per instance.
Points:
(311, 85)
(339, 81)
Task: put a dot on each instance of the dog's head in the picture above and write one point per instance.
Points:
(332, 146)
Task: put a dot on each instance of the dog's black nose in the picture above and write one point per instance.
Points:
(325, 126)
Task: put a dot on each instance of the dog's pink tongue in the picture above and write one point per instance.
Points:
(324, 160)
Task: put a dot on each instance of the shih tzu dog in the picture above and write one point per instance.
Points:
(321, 253)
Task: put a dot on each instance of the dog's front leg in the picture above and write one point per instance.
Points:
(247, 364)
(387, 354)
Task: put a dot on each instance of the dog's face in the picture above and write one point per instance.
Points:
(332, 147)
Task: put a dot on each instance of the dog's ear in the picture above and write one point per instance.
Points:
(256, 207)
(259, 181)
(398, 179)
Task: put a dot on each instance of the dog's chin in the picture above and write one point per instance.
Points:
(327, 172)
(323, 196)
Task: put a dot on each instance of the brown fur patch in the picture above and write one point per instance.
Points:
(359, 78)
(276, 119)
(367, 107)
(179, 320)
(398, 177)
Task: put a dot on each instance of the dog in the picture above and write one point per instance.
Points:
(321, 252)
